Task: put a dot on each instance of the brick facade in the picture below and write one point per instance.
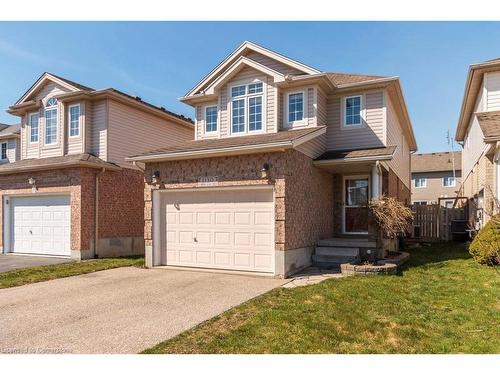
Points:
(121, 206)
(303, 194)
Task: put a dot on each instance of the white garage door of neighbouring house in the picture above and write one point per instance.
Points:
(40, 225)
(223, 229)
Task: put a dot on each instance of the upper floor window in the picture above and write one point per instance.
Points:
(3, 151)
(352, 110)
(211, 119)
(449, 181)
(420, 203)
(246, 107)
(51, 121)
(33, 122)
(74, 120)
(420, 182)
(295, 107)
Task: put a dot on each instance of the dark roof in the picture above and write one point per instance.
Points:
(490, 124)
(181, 117)
(73, 83)
(229, 142)
(3, 126)
(345, 78)
(83, 160)
(352, 154)
(435, 162)
(138, 99)
(9, 130)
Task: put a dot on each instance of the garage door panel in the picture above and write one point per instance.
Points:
(230, 229)
(40, 225)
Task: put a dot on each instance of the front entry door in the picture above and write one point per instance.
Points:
(356, 193)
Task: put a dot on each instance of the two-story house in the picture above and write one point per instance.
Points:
(283, 155)
(9, 143)
(479, 131)
(71, 193)
(435, 177)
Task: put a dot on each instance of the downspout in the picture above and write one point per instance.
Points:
(96, 211)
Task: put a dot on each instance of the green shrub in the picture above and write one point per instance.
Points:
(486, 245)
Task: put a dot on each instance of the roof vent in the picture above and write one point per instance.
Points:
(138, 98)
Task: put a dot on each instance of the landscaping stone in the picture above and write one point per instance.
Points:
(312, 275)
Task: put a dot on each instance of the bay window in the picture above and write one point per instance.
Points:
(33, 122)
(74, 120)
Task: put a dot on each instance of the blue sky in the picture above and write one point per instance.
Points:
(161, 61)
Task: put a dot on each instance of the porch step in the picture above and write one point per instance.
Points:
(333, 259)
(338, 251)
(347, 242)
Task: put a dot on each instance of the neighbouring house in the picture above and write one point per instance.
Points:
(478, 130)
(283, 156)
(435, 175)
(71, 192)
(9, 143)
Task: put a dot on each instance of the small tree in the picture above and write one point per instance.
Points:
(391, 216)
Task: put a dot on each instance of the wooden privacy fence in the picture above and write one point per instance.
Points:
(434, 222)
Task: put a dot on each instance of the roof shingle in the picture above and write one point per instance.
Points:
(490, 125)
(435, 162)
(353, 154)
(339, 79)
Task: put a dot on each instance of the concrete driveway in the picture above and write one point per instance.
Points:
(124, 310)
(9, 262)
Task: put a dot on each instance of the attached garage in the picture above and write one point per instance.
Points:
(38, 224)
(223, 228)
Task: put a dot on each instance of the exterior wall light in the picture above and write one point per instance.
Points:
(32, 183)
(264, 172)
(155, 178)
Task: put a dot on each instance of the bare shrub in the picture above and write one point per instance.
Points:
(391, 216)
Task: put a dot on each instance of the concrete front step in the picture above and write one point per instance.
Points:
(335, 250)
(347, 242)
(333, 259)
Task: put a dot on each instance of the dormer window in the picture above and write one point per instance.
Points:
(247, 108)
(51, 121)
(295, 108)
(211, 119)
(74, 120)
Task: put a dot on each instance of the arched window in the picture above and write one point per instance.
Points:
(51, 121)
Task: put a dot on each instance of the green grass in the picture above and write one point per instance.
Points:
(56, 271)
(442, 302)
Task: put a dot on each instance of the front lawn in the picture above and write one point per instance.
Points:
(56, 271)
(442, 302)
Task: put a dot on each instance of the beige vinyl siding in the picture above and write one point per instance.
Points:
(311, 107)
(474, 145)
(322, 110)
(315, 147)
(98, 130)
(75, 144)
(87, 120)
(131, 132)
(400, 162)
(273, 64)
(372, 134)
(270, 93)
(12, 150)
(492, 82)
(434, 188)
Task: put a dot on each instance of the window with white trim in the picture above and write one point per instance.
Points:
(352, 110)
(420, 203)
(420, 182)
(51, 121)
(246, 108)
(449, 181)
(3, 151)
(33, 122)
(211, 119)
(295, 107)
(74, 120)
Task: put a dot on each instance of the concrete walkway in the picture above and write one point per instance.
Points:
(123, 310)
(9, 262)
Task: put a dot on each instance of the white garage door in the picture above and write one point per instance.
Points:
(41, 225)
(225, 229)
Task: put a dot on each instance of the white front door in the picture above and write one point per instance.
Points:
(355, 212)
(226, 229)
(41, 225)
